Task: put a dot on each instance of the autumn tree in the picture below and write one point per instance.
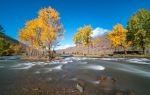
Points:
(83, 36)
(139, 29)
(43, 31)
(52, 29)
(118, 37)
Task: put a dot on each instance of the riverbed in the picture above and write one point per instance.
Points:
(76, 76)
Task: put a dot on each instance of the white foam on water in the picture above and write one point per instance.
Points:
(28, 65)
(93, 67)
(79, 58)
(135, 70)
(23, 66)
(131, 60)
(113, 59)
(58, 62)
(40, 63)
(68, 59)
(59, 67)
(55, 68)
(64, 62)
(82, 62)
(139, 60)
(37, 72)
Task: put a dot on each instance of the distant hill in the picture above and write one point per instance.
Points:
(102, 47)
(9, 39)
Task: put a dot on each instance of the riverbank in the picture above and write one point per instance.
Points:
(114, 56)
(61, 57)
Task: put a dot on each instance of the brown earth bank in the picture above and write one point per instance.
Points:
(37, 58)
(114, 56)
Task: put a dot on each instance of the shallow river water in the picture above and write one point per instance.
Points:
(76, 76)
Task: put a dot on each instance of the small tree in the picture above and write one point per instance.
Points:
(83, 36)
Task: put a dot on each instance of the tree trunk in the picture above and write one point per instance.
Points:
(88, 49)
(49, 54)
(115, 50)
(125, 51)
(52, 53)
(143, 50)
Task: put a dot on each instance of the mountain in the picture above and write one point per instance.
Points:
(8, 39)
(101, 47)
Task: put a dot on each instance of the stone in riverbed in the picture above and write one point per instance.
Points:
(80, 86)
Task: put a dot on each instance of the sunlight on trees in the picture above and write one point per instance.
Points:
(118, 37)
(139, 29)
(83, 36)
(43, 31)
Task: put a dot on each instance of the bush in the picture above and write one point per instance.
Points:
(7, 49)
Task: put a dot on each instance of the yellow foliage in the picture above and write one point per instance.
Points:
(43, 30)
(118, 36)
(83, 35)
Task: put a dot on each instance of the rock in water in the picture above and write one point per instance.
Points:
(79, 87)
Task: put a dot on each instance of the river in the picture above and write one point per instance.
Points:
(76, 76)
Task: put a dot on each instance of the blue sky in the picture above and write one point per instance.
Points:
(102, 15)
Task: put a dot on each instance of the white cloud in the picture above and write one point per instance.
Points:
(98, 32)
(65, 46)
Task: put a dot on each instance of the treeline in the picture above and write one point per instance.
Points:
(7, 48)
(136, 35)
(43, 33)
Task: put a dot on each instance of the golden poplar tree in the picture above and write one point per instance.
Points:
(83, 36)
(118, 37)
(42, 31)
